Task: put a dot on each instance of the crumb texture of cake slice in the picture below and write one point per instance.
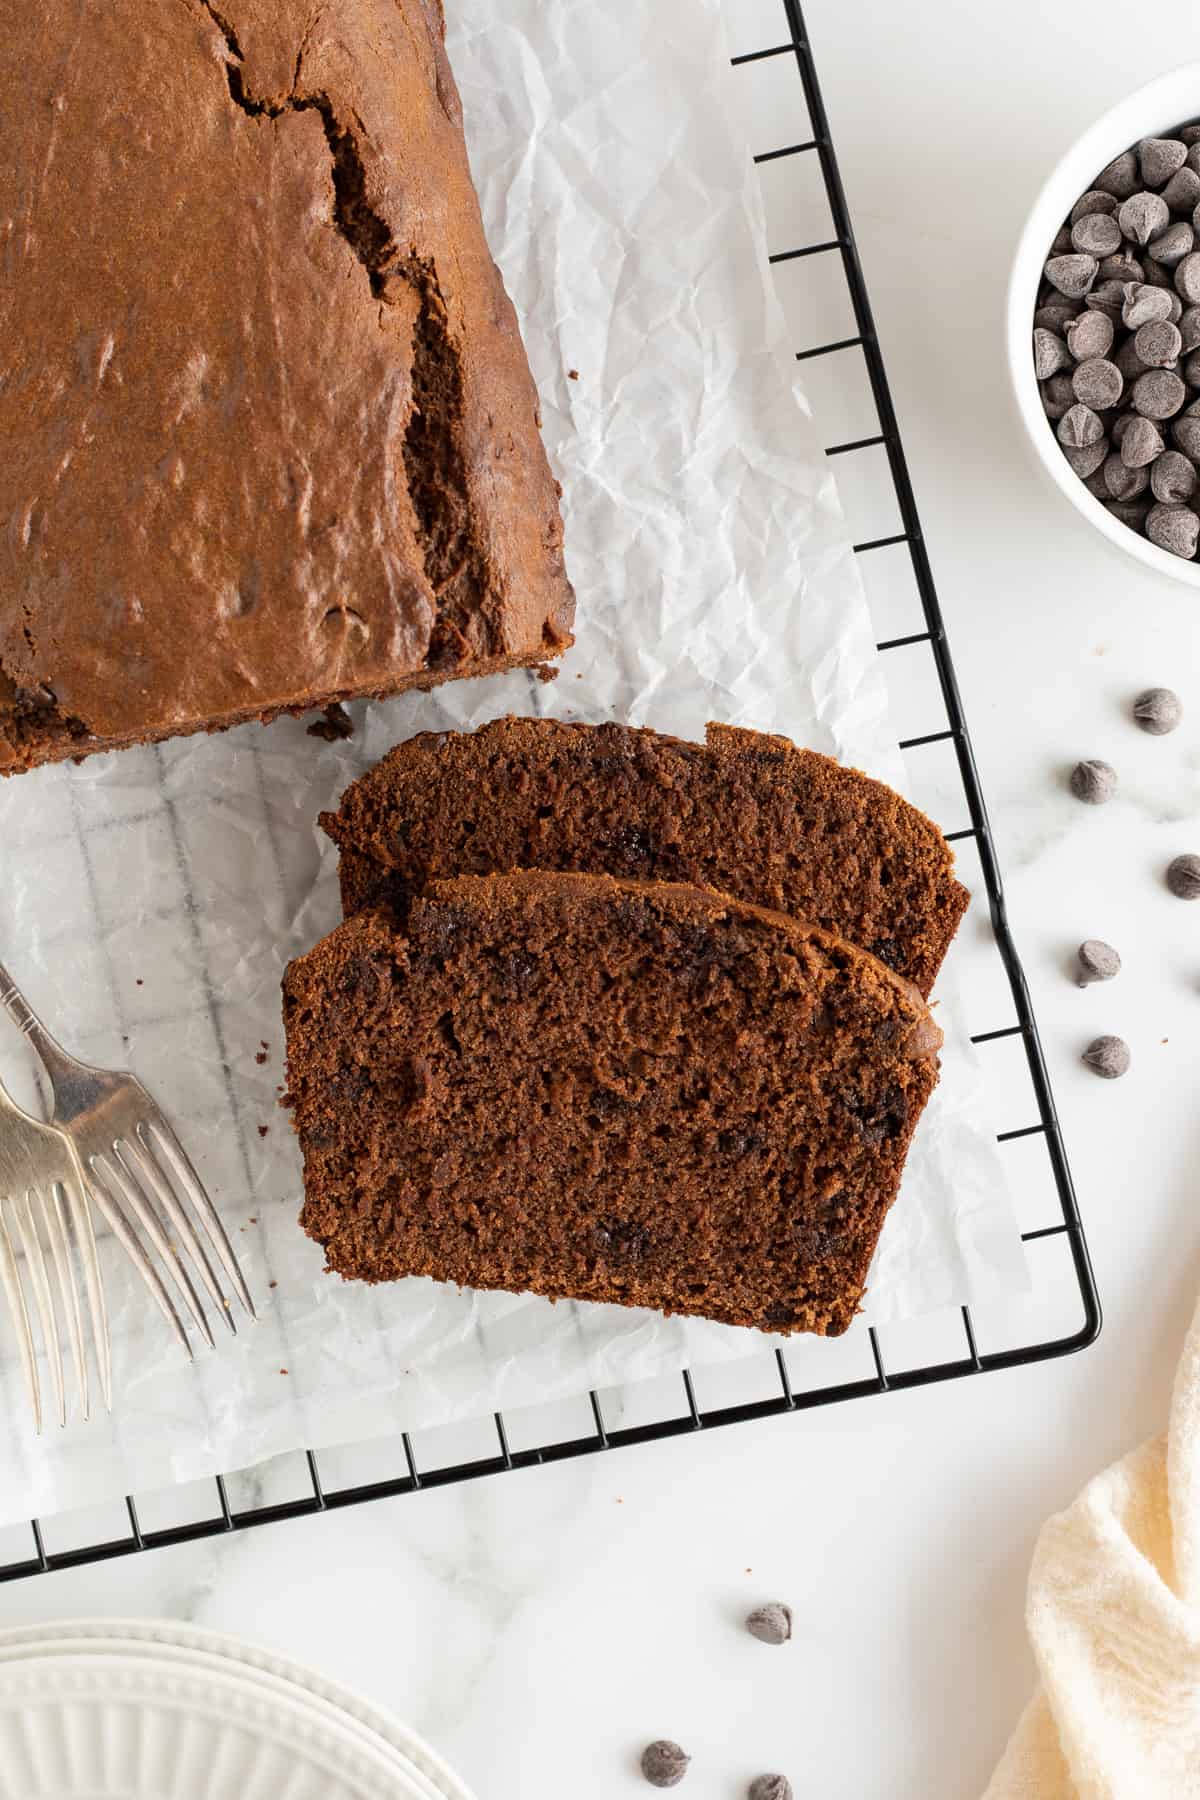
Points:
(747, 813)
(270, 438)
(624, 1091)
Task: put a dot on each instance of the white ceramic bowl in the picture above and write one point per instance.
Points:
(1151, 112)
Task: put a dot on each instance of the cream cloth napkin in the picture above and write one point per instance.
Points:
(1114, 1619)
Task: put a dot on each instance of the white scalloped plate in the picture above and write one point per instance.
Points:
(151, 1710)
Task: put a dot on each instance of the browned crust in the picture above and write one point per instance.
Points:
(416, 784)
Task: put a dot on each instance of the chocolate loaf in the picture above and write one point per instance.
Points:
(269, 435)
(613, 1090)
(748, 814)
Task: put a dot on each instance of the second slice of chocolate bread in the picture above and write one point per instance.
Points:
(619, 1091)
(748, 814)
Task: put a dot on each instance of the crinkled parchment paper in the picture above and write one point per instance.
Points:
(150, 900)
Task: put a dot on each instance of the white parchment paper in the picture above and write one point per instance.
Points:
(150, 900)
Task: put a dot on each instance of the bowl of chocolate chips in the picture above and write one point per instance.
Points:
(1104, 325)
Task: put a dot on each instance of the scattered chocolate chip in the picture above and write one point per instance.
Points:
(263, 1130)
(1098, 961)
(1183, 877)
(573, 374)
(335, 725)
(1159, 709)
(260, 1057)
(664, 1764)
(1093, 781)
(770, 1624)
(1107, 1056)
(770, 1787)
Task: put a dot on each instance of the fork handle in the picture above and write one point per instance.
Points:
(26, 1020)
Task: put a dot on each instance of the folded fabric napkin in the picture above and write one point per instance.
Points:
(1114, 1618)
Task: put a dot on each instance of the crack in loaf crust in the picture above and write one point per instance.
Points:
(619, 1091)
(270, 437)
(748, 814)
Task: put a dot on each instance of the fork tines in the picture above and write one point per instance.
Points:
(62, 1216)
(145, 1183)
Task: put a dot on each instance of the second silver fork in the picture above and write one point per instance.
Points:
(138, 1173)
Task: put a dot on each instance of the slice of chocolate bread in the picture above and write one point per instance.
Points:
(610, 1090)
(748, 814)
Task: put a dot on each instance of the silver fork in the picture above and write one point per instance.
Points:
(40, 1175)
(138, 1172)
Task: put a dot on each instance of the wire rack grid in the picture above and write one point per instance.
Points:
(788, 1394)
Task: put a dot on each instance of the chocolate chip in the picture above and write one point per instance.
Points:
(1119, 177)
(1187, 278)
(1173, 244)
(1174, 528)
(1050, 354)
(1089, 334)
(1080, 426)
(770, 1624)
(1107, 1056)
(1098, 234)
(1141, 218)
(1072, 275)
(1095, 201)
(1058, 396)
(1122, 483)
(1158, 394)
(1142, 305)
(1158, 159)
(1098, 383)
(1189, 328)
(1185, 431)
(1158, 345)
(1159, 709)
(1087, 460)
(664, 1764)
(1141, 441)
(770, 1787)
(1107, 297)
(1183, 877)
(1173, 479)
(1098, 961)
(1093, 781)
(1182, 192)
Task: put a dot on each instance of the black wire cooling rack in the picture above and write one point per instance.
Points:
(787, 1394)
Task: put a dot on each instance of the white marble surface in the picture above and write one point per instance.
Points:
(540, 1626)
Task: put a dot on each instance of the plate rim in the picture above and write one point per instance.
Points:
(252, 1659)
